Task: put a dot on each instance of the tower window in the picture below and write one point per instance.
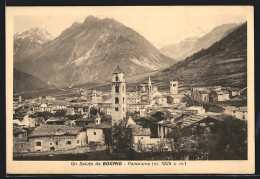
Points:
(116, 100)
(116, 78)
(116, 108)
(38, 144)
(117, 89)
(123, 100)
(123, 88)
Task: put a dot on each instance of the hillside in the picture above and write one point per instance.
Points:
(25, 82)
(89, 52)
(224, 63)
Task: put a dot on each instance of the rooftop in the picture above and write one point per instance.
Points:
(55, 130)
(118, 70)
(99, 126)
(56, 119)
(141, 132)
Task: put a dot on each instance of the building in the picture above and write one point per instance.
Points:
(233, 92)
(196, 110)
(215, 96)
(96, 131)
(118, 93)
(138, 108)
(56, 137)
(57, 121)
(141, 140)
(27, 121)
(175, 99)
(160, 100)
(94, 97)
(105, 108)
(19, 134)
(239, 113)
(200, 95)
(174, 87)
(187, 121)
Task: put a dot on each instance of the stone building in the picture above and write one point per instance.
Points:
(56, 137)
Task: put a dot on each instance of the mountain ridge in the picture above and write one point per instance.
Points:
(185, 48)
(86, 52)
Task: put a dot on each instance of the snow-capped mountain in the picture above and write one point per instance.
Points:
(29, 41)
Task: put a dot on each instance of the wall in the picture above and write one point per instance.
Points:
(95, 138)
(61, 145)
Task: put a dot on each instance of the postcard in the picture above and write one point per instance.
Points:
(130, 90)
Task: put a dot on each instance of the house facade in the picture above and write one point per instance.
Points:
(56, 137)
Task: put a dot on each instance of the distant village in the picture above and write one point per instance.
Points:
(83, 123)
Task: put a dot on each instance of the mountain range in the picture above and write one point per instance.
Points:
(191, 45)
(224, 63)
(89, 52)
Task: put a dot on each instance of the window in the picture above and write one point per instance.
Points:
(116, 78)
(95, 133)
(38, 143)
(50, 143)
(123, 88)
(77, 141)
(117, 100)
(117, 89)
(123, 100)
(116, 108)
(57, 143)
(142, 137)
(68, 142)
(244, 117)
(123, 109)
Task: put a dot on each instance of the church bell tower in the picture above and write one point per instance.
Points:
(150, 89)
(118, 94)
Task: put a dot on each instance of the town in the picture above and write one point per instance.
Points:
(182, 122)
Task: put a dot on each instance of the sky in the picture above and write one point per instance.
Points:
(161, 26)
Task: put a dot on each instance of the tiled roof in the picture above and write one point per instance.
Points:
(99, 126)
(56, 119)
(55, 130)
(194, 108)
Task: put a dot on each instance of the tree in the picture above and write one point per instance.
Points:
(231, 141)
(121, 135)
(46, 115)
(107, 138)
(93, 111)
(60, 113)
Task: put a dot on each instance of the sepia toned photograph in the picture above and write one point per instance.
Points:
(131, 87)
